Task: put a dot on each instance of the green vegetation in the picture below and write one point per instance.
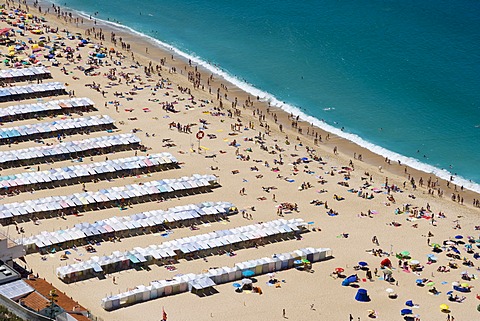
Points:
(6, 315)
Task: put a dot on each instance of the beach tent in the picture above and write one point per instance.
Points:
(200, 284)
(270, 264)
(349, 280)
(324, 253)
(406, 311)
(107, 303)
(362, 296)
(231, 272)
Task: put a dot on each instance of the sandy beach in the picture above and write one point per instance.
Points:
(262, 158)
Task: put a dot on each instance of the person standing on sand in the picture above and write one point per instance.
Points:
(284, 313)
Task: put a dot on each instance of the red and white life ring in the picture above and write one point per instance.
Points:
(200, 134)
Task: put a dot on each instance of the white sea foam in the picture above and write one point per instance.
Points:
(265, 96)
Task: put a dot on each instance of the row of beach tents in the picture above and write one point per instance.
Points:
(31, 91)
(80, 173)
(123, 226)
(204, 281)
(115, 196)
(187, 247)
(17, 112)
(23, 74)
(68, 150)
(47, 129)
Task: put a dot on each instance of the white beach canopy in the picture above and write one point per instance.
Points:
(67, 148)
(191, 245)
(22, 111)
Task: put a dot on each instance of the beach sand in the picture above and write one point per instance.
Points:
(301, 290)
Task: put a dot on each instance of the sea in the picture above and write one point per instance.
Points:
(401, 78)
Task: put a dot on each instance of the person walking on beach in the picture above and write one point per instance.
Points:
(284, 315)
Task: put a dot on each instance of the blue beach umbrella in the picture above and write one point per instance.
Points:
(458, 237)
(236, 285)
(361, 263)
(248, 273)
(406, 311)
(432, 257)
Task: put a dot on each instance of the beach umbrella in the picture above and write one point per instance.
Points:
(409, 303)
(414, 262)
(432, 257)
(390, 290)
(458, 237)
(464, 285)
(405, 253)
(449, 292)
(339, 270)
(248, 273)
(406, 311)
(435, 245)
(444, 307)
(362, 264)
(246, 281)
(431, 283)
(419, 281)
(386, 262)
(236, 285)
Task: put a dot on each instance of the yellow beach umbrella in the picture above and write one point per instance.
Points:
(444, 307)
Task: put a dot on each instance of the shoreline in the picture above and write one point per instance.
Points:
(347, 147)
(246, 165)
(267, 98)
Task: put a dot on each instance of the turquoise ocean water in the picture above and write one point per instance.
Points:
(401, 77)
